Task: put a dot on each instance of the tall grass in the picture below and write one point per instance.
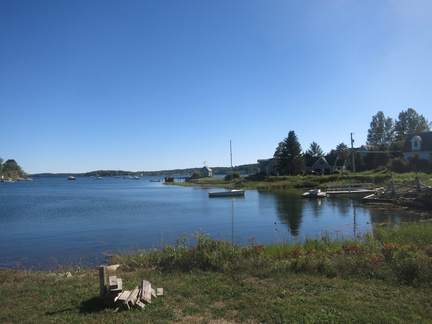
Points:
(400, 254)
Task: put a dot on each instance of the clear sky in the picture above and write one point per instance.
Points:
(144, 85)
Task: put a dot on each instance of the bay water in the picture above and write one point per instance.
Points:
(52, 222)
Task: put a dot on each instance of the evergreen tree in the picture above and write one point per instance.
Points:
(314, 151)
(290, 160)
(381, 131)
(410, 122)
(342, 151)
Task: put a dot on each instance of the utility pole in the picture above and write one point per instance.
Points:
(353, 153)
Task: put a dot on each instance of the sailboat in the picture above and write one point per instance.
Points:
(228, 193)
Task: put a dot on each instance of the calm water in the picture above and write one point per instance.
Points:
(51, 221)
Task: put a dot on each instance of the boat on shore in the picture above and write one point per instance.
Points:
(314, 193)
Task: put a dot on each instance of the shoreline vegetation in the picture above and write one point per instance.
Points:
(260, 182)
(380, 277)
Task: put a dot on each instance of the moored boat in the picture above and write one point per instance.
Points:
(314, 193)
(232, 192)
(227, 193)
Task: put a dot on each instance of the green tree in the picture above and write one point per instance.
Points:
(314, 151)
(290, 160)
(342, 151)
(408, 122)
(1, 166)
(11, 169)
(381, 131)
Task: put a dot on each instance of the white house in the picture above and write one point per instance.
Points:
(267, 166)
(326, 165)
(206, 171)
(418, 145)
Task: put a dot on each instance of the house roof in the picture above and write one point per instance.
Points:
(426, 142)
(206, 167)
(366, 148)
(265, 162)
(331, 160)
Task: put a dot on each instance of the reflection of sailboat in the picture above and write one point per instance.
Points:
(228, 193)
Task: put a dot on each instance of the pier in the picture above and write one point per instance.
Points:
(352, 188)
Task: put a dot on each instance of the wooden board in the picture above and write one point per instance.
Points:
(133, 297)
(112, 280)
(102, 280)
(123, 296)
(146, 291)
(119, 286)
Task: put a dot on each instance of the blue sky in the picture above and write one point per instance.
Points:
(145, 85)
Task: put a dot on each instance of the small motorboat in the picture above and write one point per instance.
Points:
(71, 178)
(314, 193)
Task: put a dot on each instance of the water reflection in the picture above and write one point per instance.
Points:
(290, 210)
(339, 216)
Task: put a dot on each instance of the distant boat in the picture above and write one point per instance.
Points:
(228, 193)
(71, 178)
(98, 178)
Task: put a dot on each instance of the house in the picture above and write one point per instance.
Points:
(418, 145)
(207, 172)
(322, 165)
(267, 166)
(325, 165)
(365, 149)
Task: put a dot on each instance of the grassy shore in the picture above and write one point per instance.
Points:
(384, 277)
(378, 179)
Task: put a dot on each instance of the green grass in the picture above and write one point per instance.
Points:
(378, 179)
(384, 277)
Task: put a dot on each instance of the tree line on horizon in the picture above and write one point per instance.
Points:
(385, 140)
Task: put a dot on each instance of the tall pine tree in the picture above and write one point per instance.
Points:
(289, 157)
(381, 131)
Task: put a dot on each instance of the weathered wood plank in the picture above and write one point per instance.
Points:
(113, 282)
(113, 268)
(133, 297)
(119, 286)
(102, 280)
(140, 304)
(146, 291)
(123, 296)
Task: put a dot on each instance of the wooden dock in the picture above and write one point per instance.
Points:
(349, 189)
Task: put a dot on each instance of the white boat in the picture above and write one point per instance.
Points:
(314, 193)
(228, 193)
(71, 178)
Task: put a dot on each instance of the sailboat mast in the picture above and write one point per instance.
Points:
(232, 175)
(231, 154)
